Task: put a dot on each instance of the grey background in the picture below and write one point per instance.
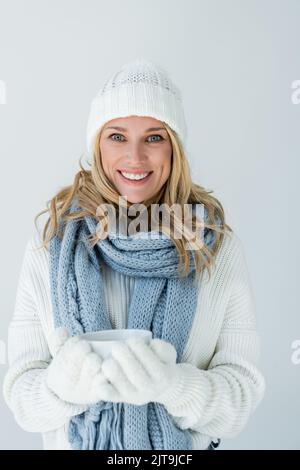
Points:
(235, 62)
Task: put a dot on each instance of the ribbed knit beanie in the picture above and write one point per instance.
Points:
(139, 88)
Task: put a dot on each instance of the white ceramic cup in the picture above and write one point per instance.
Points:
(103, 341)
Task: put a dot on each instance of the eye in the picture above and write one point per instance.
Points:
(122, 140)
(160, 137)
(116, 140)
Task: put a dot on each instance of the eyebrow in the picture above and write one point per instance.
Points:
(118, 128)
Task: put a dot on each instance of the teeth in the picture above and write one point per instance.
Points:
(132, 176)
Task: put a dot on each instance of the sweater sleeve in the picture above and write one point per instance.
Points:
(219, 401)
(35, 407)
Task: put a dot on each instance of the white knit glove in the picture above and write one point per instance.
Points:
(140, 373)
(74, 374)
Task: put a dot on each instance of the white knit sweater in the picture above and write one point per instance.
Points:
(223, 388)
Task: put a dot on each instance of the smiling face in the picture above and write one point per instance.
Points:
(136, 156)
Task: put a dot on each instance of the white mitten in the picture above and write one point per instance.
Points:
(74, 374)
(141, 373)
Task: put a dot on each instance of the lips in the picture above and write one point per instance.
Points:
(136, 171)
(134, 182)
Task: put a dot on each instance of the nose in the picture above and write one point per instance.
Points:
(135, 155)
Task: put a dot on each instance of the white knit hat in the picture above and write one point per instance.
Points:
(140, 88)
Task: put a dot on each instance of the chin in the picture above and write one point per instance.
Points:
(135, 200)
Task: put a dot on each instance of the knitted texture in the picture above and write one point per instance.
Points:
(162, 302)
(224, 385)
(139, 88)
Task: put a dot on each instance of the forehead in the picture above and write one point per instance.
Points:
(135, 122)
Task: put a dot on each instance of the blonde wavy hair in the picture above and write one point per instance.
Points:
(91, 187)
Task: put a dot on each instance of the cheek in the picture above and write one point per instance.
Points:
(166, 167)
(108, 157)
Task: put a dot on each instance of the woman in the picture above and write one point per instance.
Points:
(197, 380)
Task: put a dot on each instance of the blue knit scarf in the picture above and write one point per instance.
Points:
(162, 302)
